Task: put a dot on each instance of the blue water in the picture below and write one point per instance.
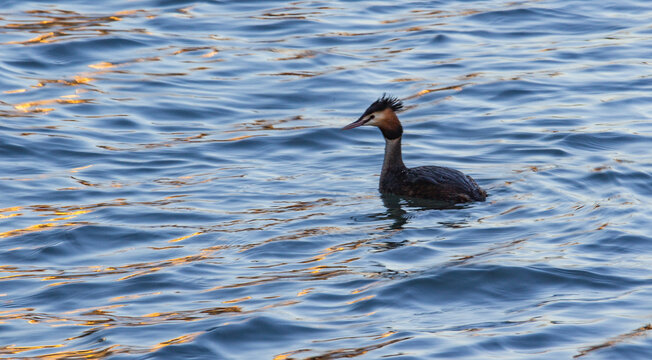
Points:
(175, 184)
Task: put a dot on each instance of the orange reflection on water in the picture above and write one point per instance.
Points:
(185, 237)
(14, 91)
(237, 300)
(212, 51)
(365, 298)
(175, 142)
(76, 80)
(101, 65)
(33, 106)
(68, 213)
(305, 291)
(352, 245)
(50, 223)
(177, 340)
(43, 38)
(102, 318)
(34, 228)
(642, 331)
(63, 25)
(13, 349)
(270, 124)
(343, 353)
(427, 91)
(60, 25)
(81, 354)
(309, 273)
(10, 210)
(135, 296)
(95, 353)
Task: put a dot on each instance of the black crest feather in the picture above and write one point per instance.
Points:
(384, 102)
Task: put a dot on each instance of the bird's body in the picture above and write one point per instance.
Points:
(428, 182)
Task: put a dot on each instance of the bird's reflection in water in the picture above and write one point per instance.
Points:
(396, 206)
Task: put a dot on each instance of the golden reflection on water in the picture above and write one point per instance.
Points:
(177, 340)
(13, 349)
(104, 316)
(175, 142)
(129, 271)
(69, 212)
(64, 25)
(642, 331)
(39, 227)
(342, 353)
(323, 263)
(98, 353)
(269, 124)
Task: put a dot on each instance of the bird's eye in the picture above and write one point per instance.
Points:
(372, 117)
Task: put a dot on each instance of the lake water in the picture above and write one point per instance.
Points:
(175, 184)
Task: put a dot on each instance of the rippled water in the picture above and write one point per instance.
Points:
(175, 185)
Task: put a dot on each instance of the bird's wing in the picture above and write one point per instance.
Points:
(439, 176)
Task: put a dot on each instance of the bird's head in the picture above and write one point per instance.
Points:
(382, 114)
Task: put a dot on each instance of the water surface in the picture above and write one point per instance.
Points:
(175, 185)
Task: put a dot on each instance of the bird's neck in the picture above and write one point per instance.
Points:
(393, 160)
(391, 126)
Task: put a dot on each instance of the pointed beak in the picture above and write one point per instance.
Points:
(355, 124)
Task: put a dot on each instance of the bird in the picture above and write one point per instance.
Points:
(425, 182)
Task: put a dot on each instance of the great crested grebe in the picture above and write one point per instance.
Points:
(429, 182)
